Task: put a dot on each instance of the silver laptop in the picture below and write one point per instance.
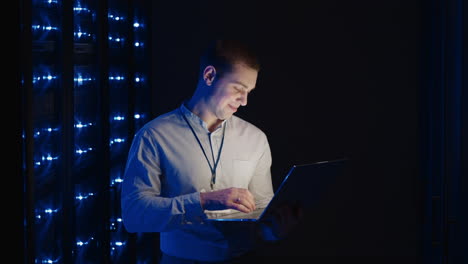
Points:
(303, 185)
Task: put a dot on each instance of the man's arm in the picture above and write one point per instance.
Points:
(143, 207)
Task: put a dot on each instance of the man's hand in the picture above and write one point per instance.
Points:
(230, 198)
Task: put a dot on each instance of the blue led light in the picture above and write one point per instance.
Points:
(137, 116)
(49, 158)
(79, 79)
(115, 181)
(115, 18)
(116, 78)
(46, 159)
(81, 10)
(43, 28)
(119, 118)
(45, 212)
(117, 140)
(83, 125)
(116, 39)
(81, 34)
(81, 197)
(80, 243)
(114, 223)
(47, 131)
(136, 24)
(81, 151)
(48, 261)
(50, 211)
(117, 244)
(48, 77)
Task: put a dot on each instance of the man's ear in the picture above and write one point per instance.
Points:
(209, 75)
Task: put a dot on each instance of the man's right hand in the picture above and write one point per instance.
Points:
(231, 198)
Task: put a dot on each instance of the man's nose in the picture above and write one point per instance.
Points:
(243, 98)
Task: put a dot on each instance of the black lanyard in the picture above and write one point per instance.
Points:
(212, 168)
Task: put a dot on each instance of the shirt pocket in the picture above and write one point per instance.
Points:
(243, 171)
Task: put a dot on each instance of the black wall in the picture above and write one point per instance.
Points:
(339, 78)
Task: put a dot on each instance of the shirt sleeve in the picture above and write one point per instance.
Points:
(261, 183)
(143, 207)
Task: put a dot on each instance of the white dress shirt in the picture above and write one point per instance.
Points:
(166, 171)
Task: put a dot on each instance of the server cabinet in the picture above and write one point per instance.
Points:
(85, 85)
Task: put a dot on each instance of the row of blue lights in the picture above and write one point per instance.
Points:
(85, 35)
(38, 27)
(49, 212)
(115, 17)
(82, 35)
(80, 79)
(46, 261)
(49, 157)
(80, 9)
(79, 125)
(115, 245)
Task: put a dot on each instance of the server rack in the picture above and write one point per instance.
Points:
(85, 84)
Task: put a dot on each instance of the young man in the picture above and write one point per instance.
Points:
(201, 157)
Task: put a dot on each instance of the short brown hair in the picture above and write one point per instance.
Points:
(223, 53)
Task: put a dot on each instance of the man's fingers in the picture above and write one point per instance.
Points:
(241, 207)
(243, 197)
(250, 196)
(242, 204)
(247, 199)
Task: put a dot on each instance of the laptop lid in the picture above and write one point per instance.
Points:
(303, 185)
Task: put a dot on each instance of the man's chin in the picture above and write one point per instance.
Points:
(226, 116)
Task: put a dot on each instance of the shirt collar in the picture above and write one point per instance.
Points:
(196, 119)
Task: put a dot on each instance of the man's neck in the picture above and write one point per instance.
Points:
(200, 108)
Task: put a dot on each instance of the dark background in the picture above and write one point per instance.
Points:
(380, 82)
(339, 79)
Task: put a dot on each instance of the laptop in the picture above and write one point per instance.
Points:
(303, 185)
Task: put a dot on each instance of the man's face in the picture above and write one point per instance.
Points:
(231, 90)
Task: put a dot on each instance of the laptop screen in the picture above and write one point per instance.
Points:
(302, 186)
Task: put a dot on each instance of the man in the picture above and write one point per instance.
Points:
(201, 157)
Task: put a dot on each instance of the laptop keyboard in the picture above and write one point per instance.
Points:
(240, 215)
